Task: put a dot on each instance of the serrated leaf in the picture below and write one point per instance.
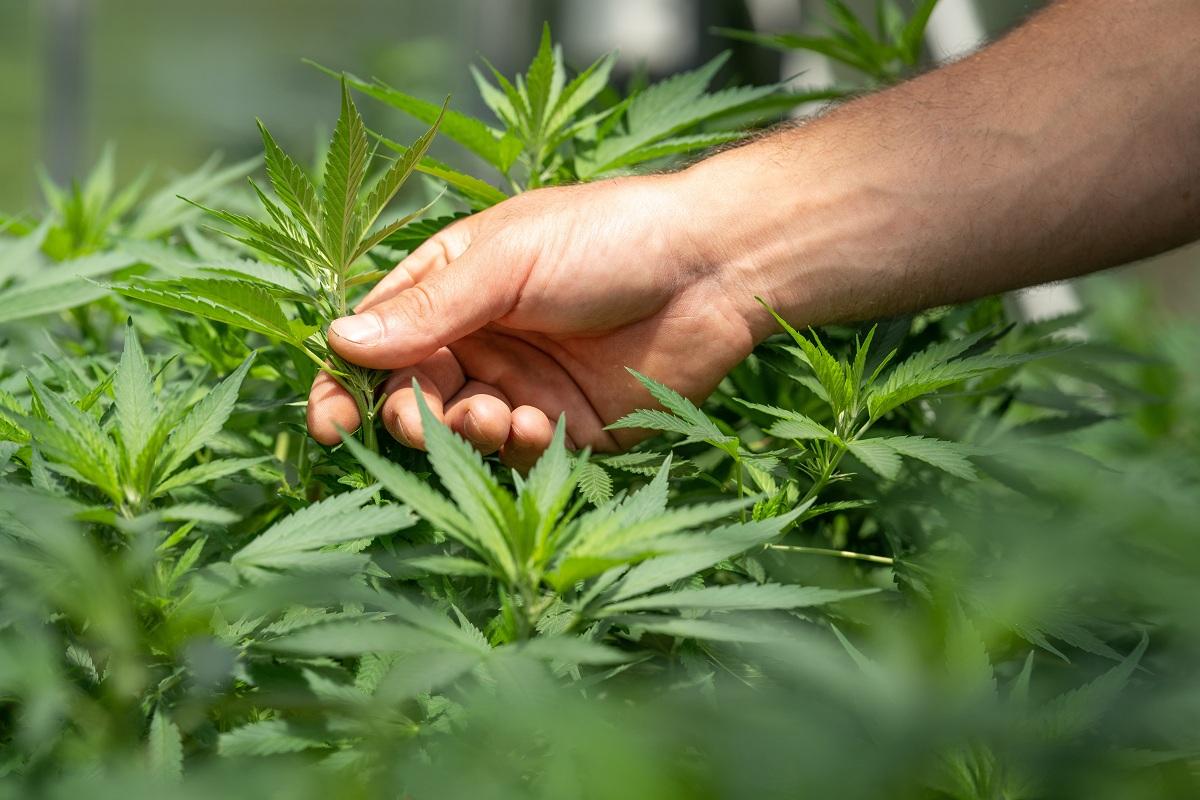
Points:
(204, 421)
(417, 494)
(467, 131)
(335, 520)
(595, 484)
(414, 234)
(793, 425)
(74, 438)
(704, 551)
(481, 192)
(740, 597)
(469, 481)
(133, 391)
(539, 83)
(580, 91)
(238, 303)
(449, 565)
(393, 179)
(697, 425)
(268, 737)
(291, 184)
(675, 145)
(345, 170)
(568, 650)
(667, 108)
(698, 628)
(877, 455)
(164, 747)
(206, 472)
(1074, 712)
(949, 457)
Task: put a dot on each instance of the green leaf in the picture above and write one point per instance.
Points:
(335, 520)
(470, 483)
(568, 650)
(197, 512)
(703, 551)
(24, 303)
(793, 425)
(238, 303)
(205, 473)
(417, 494)
(539, 82)
(1071, 714)
(878, 455)
(833, 375)
(581, 91)
(914, 31)
(266, 738)
(595, 484)
(482, 193)
(949, 457)
(291, 184)
(414, 234)
(133, 390)
(696, 425)
(668, 108)
(698, 628)
(448, 565)
(676, 145)
(164, 747)
(345, 170)
(467, 131)
(23, 256)
(74, 438)
(741, 597)
(204, 421)
(395, 176)
(936, 367)
(163, 211)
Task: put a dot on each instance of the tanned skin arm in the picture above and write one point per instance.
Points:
(1071, 145)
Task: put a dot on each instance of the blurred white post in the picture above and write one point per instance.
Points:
(661, 34)
(955, 29)
(64, 27)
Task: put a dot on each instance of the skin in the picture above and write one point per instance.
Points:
(1070, 146)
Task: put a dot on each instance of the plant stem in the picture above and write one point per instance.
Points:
(366, 417)
(824, 551)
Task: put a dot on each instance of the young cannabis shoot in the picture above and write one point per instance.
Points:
(320, 236)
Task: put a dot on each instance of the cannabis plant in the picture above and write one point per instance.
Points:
(320, 239)
(889, 54)
(920, 557)
(553, 130)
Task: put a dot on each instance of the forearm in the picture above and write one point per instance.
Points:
(1072, 145)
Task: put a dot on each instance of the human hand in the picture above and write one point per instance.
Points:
(533, 308)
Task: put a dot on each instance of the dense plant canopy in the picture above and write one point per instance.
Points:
(949, 555)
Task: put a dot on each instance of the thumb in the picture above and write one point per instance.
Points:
(442, 308)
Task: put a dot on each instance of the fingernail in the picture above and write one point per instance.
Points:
(471, 426)
(359, 329)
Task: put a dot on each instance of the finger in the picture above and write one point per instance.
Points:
(530, 433)
(444, 306)
(529, 376)
(481, 415)
(439, 376)
(433, 254)
(331, 410)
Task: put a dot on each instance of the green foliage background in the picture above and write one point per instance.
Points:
(942, 556)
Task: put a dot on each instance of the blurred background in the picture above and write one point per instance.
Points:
(171, 83)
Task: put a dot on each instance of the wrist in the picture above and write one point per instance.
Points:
(744, 209)
(812, 221)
